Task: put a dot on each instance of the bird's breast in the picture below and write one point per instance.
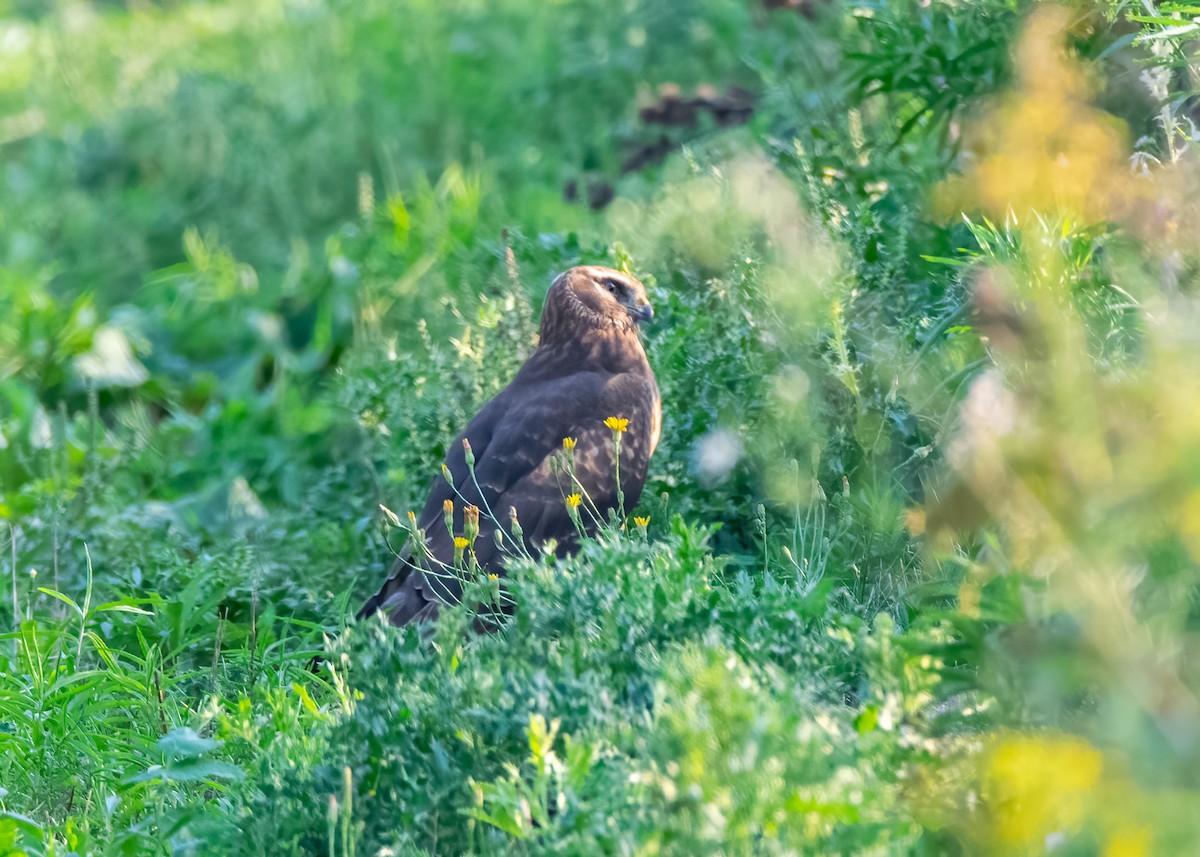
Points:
(655, 421)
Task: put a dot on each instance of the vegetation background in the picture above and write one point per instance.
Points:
(922, 567)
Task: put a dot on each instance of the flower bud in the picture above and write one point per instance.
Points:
(471, 523)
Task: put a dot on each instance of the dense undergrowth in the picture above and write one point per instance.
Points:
(920, 573)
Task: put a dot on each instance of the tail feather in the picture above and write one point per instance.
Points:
(404, 597)
(400, 572)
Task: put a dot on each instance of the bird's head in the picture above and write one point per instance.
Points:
(599, 297)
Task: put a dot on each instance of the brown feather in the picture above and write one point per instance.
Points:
(589, 365)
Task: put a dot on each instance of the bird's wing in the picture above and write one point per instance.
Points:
(513, 439)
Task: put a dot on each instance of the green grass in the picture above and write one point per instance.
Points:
(259, 263)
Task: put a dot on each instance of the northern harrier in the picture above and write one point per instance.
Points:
(586, 385)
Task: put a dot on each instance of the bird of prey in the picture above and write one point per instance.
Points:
(539, 461)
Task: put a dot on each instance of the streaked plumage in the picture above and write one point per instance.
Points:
(589, 365)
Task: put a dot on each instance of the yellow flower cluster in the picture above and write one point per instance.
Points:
(617, 424)
(1043, 148)
(573, 500)
(1039, 784)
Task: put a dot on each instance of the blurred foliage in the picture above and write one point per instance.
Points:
(920, 574)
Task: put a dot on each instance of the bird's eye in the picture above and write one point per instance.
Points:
(611, 285)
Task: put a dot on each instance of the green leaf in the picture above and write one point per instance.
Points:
(202, 769)
(14, 828)
(126, 605)
(305, 699)
(944, 260)
(189, 771)
(65, 599)
(867, 720)
(185, 743)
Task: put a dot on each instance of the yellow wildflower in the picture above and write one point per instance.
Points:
(492, 577)
(573, 500)
(448, 507)
(569, 443)
(1039, 784)
(617, 424)
(642, 522)
(1042, 147)
(460, 542)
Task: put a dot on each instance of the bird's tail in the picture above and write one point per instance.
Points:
(400, 572)
(409, 595)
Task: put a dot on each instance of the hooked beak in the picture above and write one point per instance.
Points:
(642, 312)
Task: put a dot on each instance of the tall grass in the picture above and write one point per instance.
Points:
(919, 569)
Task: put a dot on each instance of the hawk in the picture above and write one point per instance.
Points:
(538, 462)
